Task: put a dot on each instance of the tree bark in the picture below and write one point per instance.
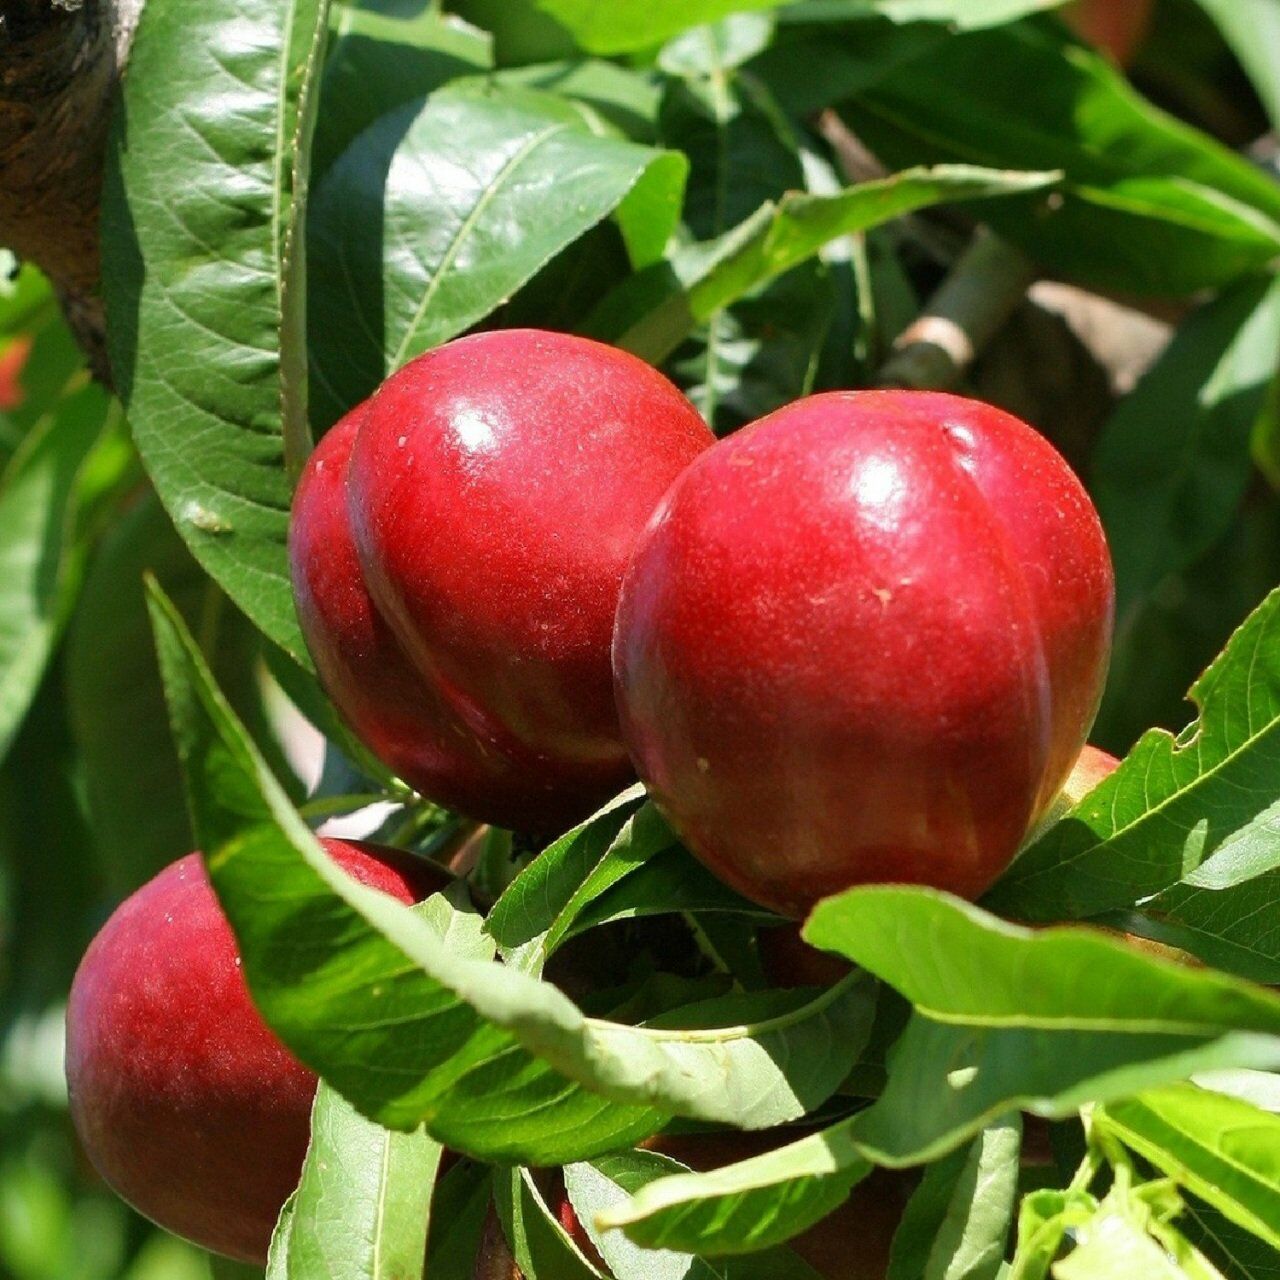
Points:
(60, 62)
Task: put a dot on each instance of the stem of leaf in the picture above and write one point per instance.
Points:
(418, 819)
(1088, 1170)
(329, 806)
(705, 945)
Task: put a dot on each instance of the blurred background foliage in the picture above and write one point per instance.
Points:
(90, 799)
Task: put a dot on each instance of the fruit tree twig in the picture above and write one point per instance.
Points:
(984, 288)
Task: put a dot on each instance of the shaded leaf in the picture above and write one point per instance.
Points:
(75, 457)
(133, 784)
(1252, 29)
(742, 150)
(377, 61)
(458, 1208)
(438, 212)
(539, 1243)
(957, 1221)
(1148, 205)
(656, 310)
(1173, 462)
(1238, 1253)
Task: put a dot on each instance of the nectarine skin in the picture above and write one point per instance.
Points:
(494, 491)
(184, 1100)
(1117, 27)
(359, 660)
(863, 641)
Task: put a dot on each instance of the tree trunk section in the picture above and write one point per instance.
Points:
(60, 61)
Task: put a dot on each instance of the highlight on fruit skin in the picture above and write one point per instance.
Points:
(863, 640)
(457, 547)
(183, 1099)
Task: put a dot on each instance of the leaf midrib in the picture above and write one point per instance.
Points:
(464, 230)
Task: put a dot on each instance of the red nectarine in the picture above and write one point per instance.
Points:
(457, 549)
(863, 640)
(185, 1102)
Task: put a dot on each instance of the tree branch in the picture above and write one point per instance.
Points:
(60, 62)
(985, 286)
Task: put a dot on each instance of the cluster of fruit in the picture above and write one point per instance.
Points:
(860, 640)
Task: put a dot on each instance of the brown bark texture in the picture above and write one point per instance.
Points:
(60, 61)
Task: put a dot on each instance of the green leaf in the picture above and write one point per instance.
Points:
(460, 1066)
(361, 1208)
(1044, 1218)
(1173, 462)
(624, 25)
(718, 47)
(458, 1209)
(438, 212)
(1200, 807)
(535, 913)
(540, 1245)
(742, 150)
(1224, 1150)
(49, 493)
(201, 277)
(623, 862)
(1129, 1233)
(485, 1055)
(1239, 1254)
(1111, 1246)
(1044, 1021)
(1236, 929)
(957, 1221)
(26, 296)
(761, 353)
(1252, 29)
(278, 1254)
(378, 61)
(606, 1183)
(1149, 204)
(621, 26)
(671, 881)
(133, 784)
(746, 1206)
(628, 98)
(655, 311)
(32, 328)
